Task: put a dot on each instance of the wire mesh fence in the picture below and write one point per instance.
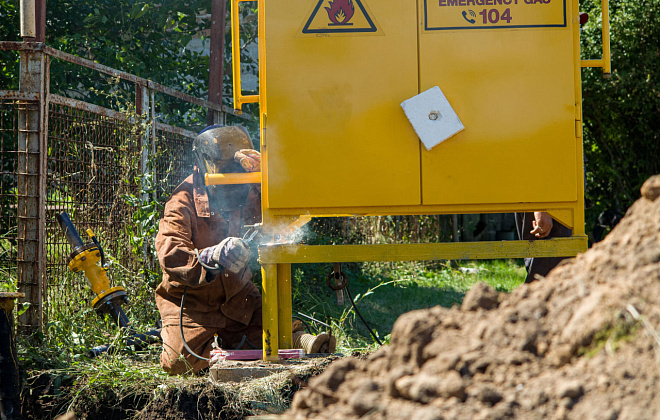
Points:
(173, 160)
(92, 162)
(98, 174)
(94, 166)
(8, 193)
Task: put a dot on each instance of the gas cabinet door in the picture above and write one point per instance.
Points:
(336, 72)
(508, 70)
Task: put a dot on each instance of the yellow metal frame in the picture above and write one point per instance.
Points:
(287, 253)
(239, 98)
(276, 259)
(230, 179)
(605, 62)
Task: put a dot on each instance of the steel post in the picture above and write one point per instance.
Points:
(270, 312)
(216, 58)
(40, 20)
(284, 311)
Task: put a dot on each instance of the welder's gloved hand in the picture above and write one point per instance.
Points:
(232, 253)
(249, 159)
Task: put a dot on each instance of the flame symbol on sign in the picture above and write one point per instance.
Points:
(340, 11)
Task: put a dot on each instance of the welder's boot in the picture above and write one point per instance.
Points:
(311, 343)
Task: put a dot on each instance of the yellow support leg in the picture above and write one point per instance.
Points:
(269, 312)
(284, 311)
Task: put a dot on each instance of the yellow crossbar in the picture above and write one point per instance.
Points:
(279, 254)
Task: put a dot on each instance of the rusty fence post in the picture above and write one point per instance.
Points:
(31, 186)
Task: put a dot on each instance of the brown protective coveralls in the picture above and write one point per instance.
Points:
(227, 304)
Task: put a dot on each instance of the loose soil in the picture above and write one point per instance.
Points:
(583, 343)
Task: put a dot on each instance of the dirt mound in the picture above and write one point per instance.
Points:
(583, 343)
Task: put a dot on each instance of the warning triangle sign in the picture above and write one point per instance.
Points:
(339, 16)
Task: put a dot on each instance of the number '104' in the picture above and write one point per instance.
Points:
(494, 16)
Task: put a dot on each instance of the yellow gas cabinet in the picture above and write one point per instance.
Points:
(336, 141)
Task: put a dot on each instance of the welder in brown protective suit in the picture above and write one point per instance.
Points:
(208, 220)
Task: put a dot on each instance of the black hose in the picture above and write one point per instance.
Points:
(348, 292)
(250, 344)
(136, 339)
(183, 300)
(243, 340)
(305, 324)
(96, 242)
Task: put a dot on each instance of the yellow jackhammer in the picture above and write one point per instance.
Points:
(108, 300)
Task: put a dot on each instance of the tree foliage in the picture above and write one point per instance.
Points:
(143, 38)
(621, 114)
(9, 25)
(137, 37)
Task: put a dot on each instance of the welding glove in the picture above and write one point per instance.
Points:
(232, 254)
(249, 159)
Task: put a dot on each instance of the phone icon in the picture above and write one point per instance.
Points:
(471, 14)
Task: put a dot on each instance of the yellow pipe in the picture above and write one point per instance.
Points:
(577, 215)
(236, 53)
(231, 179)
(295, 225)
(239, 99)
(263, 106)
(269, 312)
(248, 99)
(284, 310)
(607, 65)
(591, 63)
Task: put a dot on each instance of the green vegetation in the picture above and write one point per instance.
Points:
(383, 291)
(621, 114)
(147, 39)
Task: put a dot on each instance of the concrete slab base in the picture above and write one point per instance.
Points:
(234, 371)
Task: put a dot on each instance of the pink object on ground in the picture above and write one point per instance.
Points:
(254, 354)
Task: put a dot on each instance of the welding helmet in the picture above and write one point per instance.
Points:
(214, 149)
